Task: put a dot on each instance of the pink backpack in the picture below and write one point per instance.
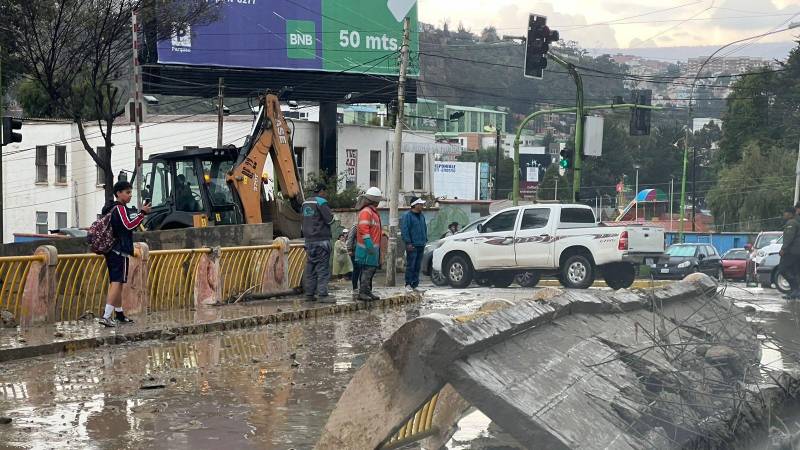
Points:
(101, 235)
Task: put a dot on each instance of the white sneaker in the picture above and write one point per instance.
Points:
(409, 288)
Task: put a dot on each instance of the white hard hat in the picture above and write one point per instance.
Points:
(374, 194)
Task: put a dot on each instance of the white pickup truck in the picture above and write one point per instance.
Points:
(549, 239)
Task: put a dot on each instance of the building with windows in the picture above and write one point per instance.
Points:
(51, 182)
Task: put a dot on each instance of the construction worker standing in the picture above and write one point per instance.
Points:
(368, 242)
(317, 220)
(790, 253)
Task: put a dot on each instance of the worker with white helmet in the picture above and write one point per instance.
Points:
(368, 242)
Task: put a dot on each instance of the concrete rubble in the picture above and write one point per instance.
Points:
(675, 367)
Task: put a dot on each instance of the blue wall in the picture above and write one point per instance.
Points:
(721, 241)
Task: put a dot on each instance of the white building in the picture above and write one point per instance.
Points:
(50, 181)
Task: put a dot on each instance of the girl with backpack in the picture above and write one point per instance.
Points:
(123, 221)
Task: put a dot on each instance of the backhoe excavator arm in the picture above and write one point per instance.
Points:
(270, 136)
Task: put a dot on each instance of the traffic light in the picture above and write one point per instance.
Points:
(9, 125)
(566, 159)
(640, 118)
(537, 45)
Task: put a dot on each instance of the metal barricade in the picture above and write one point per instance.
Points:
(297, 264)
(242, 269)
(418, 427)
(171, 278)
(13, 274)
(81, 286)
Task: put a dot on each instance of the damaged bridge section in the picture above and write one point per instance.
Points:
(676, 367)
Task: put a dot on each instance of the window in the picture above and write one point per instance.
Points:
(41, 164)
(61, 220)
(101, 174)
(61, 164)
(187, 188)
(158, 184)
(710, 251)
(577, 216)
(419, 172)
(740, 255)
(215, 173)
(681, 250)
(375, 168)
(299, 160)
(473, 121)
(535, 218)
(501, 222)
(41, 222)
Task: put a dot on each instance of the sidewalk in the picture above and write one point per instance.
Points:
(61, 337)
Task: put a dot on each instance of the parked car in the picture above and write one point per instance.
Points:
(734, 263)
(436, 277)
(757, 252)
(768, 273)
(549, 239)
(689, 258)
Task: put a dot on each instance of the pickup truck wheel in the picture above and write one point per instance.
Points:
(577, 272)
(502, 279)
(437, 278)
(781, 282)
(528, 279)
(459, 272)
(619, 275)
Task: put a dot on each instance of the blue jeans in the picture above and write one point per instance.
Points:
(413, 265)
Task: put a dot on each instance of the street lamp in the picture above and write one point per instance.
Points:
(636, 191)
(791, 25)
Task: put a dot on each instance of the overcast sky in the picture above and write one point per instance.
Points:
(625, 23)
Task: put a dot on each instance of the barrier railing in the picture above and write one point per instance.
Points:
(69, 286)
(297, 264)
(81, 285)
(418, 427)
(13, 275)
(171, 277)
(242, 269)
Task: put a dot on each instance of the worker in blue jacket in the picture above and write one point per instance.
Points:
(415, 234)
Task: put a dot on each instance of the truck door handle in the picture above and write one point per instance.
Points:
(508, 240)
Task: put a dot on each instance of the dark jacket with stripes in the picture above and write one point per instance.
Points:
(123, 221)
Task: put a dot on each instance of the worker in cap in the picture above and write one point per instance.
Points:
(415, 234)
(317, 220)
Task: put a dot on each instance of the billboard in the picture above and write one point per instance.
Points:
(453, 179)
(356, 36)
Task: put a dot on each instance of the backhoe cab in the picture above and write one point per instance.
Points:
(225, 186)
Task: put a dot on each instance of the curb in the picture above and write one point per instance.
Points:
(638, 284)
(11, 354)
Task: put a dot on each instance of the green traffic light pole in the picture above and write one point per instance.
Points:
(576, 184)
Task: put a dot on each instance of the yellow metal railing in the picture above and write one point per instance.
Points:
(418, 427)
(242, 269)
(297, 264)
(171, 278)
(13, 274)
(81, 285)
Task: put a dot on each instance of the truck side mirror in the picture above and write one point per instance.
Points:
(748, 247)
(479, 228)
(701, 256)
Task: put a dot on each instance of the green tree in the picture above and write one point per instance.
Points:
(751, 194)
(78, 54)
(547, 188)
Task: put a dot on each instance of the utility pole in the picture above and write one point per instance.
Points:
(694, 185)
(797, 179)
(2, 139)
(220, 110)
(137, 106)
(555, 197)
(397, 160)
(497, 160)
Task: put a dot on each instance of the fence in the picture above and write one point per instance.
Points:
(51, 287)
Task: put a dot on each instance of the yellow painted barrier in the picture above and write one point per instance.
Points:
(242, 269)
(13, 273)
(81, 285)
(171, 277)
(297, 264)
(418, 427)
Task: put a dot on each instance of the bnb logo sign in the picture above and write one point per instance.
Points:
(301, 39)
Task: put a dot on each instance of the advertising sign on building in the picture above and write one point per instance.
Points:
(351, 165)
(359, 36)
(455, 180)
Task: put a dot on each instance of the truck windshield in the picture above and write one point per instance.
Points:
(681, 250)
(214, 173)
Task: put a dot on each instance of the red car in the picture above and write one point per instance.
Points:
(734, 264)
